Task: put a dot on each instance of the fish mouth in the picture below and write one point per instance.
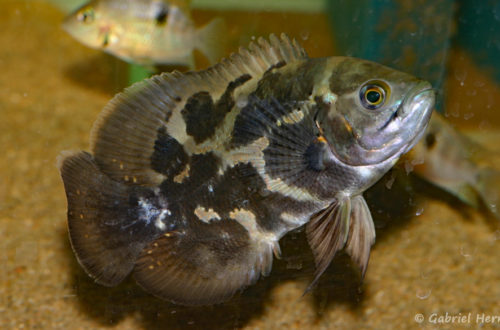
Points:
(416, 110)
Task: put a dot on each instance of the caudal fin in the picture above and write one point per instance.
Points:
(104, 229)
(211, 40)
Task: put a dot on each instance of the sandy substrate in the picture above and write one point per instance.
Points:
(432, 255)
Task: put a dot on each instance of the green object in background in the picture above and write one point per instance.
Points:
(137, 73)
(248, 5)
(412, 36)
(478, 33)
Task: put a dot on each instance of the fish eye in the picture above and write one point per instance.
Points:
(86, 15)
(373, 95)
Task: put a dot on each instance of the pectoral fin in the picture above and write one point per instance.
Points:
(346, 223)
(361, 233)
(327, 233)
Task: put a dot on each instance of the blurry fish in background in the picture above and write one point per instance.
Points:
(448, 159)
(146, 32)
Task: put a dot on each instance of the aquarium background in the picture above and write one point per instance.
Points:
(433, 255)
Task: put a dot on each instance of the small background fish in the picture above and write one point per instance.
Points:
(450, 160)
(147, 32)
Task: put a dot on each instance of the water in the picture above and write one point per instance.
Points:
(52, 89)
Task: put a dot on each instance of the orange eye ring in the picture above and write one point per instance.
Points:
(373, 95)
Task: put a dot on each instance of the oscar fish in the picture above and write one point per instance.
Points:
(192, 179)
(147, 32)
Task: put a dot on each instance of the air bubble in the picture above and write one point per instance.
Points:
(468, 115)
(479, 83)
(496, 235)
(423, 294)
(493, 207)
(419, 211)
(461, 75)
(466, 252)
(390, 182)
(294, 264)
(304, 35)
(424, 274)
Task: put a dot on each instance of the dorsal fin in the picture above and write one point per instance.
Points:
(125, 136)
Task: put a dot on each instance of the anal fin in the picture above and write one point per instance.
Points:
(346, 223)
(204, 264)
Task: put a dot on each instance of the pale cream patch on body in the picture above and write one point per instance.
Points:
(293, 220)
(322, 87)
(206, 215)
(179, 178)
(294, 117)
(153, 176)
(266, 242)
(247, 219)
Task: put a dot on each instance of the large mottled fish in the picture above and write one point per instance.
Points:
(450, 160)
(192, 179)
(147, 32)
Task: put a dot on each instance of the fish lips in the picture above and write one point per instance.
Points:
(400, 132)
(421, 104)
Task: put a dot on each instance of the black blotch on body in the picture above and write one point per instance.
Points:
(202, 115)
(278, 65)
(199, 115)
(251, 123)
(226, 101)
(295, 84)
(260, 118)
(203, 170)
(169, 157)
(161, 15)
(241, 187)
(315, 156)
(276, 95)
